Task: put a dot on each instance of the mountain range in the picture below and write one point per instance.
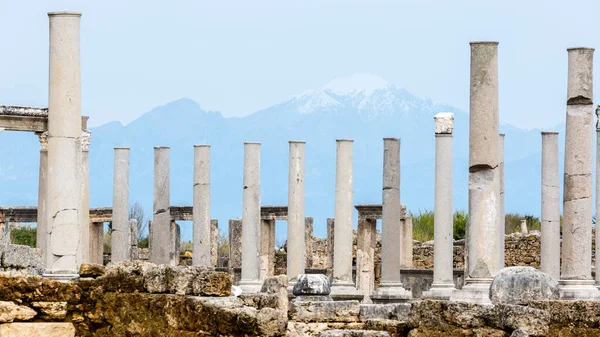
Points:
(361, 107)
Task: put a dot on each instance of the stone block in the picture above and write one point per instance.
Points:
(91, 270)
(520, 285)
(312, 284)
(37, 329)
(10, 312)
(336, 311)
(19, 257)
(396, 311)
(51, 311)
(534, 322)
(353, 333)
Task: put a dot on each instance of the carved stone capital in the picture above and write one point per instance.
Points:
(43, 137)
(444, 123)
(86, 138)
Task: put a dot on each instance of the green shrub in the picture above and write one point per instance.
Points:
(422, 225)
(24, 236)
(460, 220)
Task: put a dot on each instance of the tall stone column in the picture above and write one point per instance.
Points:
(406, 245)
(42, 216)
(97, 242)
(482, 232)
(365, 256)
(201, 232)
(330, 247)
(296, 256)
(121, 233)
(160, 231)
(86, 225)
(390, 287)
(308, 239)
(343, 286)
(235, 243)
(133, 235)
(64, 249)
(550, 238)
(597, 261)
(250, 281)
(267, 248)
(443, 251)
(576, 280)
(501, 216)
(214, 242)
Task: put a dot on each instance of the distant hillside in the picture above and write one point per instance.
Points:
(361, 107)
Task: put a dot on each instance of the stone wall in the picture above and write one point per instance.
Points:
(138, 299)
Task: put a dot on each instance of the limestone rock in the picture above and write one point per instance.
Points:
(312, 284)
(51, 311)
(334, 311)
(37, 329)
(277, 285)
(519, 333)
(10, 312)
(521, 285)
(212, 283)
(91, 270)
(181, 280)
(534, 322)
(396, 311)
(124, 276)
(353, 333)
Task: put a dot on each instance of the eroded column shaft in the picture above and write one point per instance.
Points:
(121, 232)
(42, 215)
(201, 214)
(296, 257)
(342, 260)
(251, 213)
(64, 249)
(391, 244)
(550, 238)
(160, 250)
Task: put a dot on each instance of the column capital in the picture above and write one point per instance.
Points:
(86, 138)
(43, 137)
(444, 123)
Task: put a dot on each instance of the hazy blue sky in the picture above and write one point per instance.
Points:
(241, 56)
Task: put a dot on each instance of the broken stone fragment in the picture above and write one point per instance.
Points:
(91, 270)
(312, 284)
(521, 285)
(10, 312)
(37, 329)
(51, 310)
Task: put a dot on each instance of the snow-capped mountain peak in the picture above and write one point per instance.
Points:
(357, 83)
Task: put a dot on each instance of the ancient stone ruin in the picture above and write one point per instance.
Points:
(377, 285)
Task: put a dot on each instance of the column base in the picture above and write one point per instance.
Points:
(389, 292)
(345, 291)
(250, 286)
(61, 277)
(474, 291)
(578, 290)
(440, 291)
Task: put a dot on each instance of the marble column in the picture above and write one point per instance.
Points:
(482, 232)
(550, 236)
(133, 233)
(390, 287)
(296, 257)
(267, 248)
(308, 239)
(406, 247)
(250, 281)
(85, 196)
(576, 280)
(365, 257)
(443, 251)
(597, 260)
(121, 233)
(501, 216)
(41, 233)
(175, 247)
(235, 243)
(201, 214)
(97, 242)
(214, 242)
(330, 247)
(160, 251)
(64, 249)
(343, 285)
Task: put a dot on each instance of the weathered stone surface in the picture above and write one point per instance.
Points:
(312, 284)
(211, 283)
(519, 333)
(396, 311)
(51, 311)
(277, 285)
(520, 285)
(37, 329)
(91, 270)
(10, 312)
(19, 257)
(125, 276)
(353, 333)
(337, 311)
(534, 322)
